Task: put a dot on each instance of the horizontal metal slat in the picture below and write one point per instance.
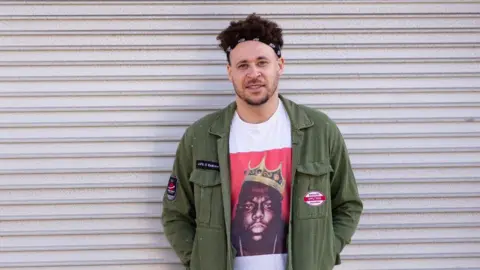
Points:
(292, 51)
(401, 25)
(211, 16)
(210, 108)
(125, 83)
(417, 180)
(416, 241)
(87, 263)
(361, 227)
(417, 225)
(413, 256)
(168, 169)
(176, 129)
(156, 230)
(286, 92)
(242, 8)
(468, 113)
(82, 201)
(80, 232)
(421, 195)
(360, 181)
(438, 60)
(331, 39)
(83, 145)
(81, 185)
(170, 154)
(185, 124)
(153, 264)
(208, 69)
(88, 170)
(159, 199)
(79, 247)
(158, 215)
(394, 38)
(436, 268)
(80, 217)
(100, 124)
(175, 260)
(429, 23)
(94, 139)
(222, 78)
(334, 103)
(85, 155)
(182, 47)
(414, 165)
(423, 210)
(347, 136)
(165, 244)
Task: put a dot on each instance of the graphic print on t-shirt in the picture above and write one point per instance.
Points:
(260, 173)
(260, 188)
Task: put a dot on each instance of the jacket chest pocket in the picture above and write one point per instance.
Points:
(208, 198)
(312, 190)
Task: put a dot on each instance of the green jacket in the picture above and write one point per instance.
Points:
(197, 208)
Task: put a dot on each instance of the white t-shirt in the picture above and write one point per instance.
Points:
(260, 167)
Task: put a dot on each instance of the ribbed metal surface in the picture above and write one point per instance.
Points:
(95, 95)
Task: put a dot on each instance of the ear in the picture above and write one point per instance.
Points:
(281, 65)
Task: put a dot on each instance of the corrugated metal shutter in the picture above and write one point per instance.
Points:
(94, 97)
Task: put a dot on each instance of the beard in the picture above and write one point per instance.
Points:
(242, 92)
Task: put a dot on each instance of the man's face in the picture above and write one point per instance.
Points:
(254, 71)
(257, 214)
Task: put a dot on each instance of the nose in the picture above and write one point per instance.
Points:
(253, 71)
(258, 214)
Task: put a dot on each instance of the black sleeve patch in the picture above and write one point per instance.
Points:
(208, 165)
(172, 188)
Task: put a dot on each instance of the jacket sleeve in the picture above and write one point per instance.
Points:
(178, 216)
(346, 204)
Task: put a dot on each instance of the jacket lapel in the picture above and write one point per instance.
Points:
(221, 129)
(298, 121)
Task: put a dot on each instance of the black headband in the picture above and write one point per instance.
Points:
(275, 47)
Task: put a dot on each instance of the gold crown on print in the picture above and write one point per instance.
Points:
(272, 178)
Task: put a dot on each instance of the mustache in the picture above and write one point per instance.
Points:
(254, 82)
(257, 224)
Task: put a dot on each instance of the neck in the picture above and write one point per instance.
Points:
(257, 114)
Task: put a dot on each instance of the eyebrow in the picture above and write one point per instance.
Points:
(258, 58)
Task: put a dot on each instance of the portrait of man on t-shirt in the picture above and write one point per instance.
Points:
(258, 224)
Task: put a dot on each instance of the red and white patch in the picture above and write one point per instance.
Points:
(314, 198)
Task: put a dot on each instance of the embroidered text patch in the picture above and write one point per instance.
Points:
(208, 165)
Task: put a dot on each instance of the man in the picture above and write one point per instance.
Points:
(264, 183)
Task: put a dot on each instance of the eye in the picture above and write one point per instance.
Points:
(242, 66)
(248, 206)
(267, 204)
(263, 63)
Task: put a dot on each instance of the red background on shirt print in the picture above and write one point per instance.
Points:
(239, 163)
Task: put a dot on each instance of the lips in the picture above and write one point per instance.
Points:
(255, 86)
(257, 225)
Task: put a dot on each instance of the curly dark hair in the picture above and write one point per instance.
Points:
(252, 27)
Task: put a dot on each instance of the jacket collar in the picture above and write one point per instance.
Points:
(298, 117)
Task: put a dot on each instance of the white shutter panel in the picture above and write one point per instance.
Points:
(94, 96)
